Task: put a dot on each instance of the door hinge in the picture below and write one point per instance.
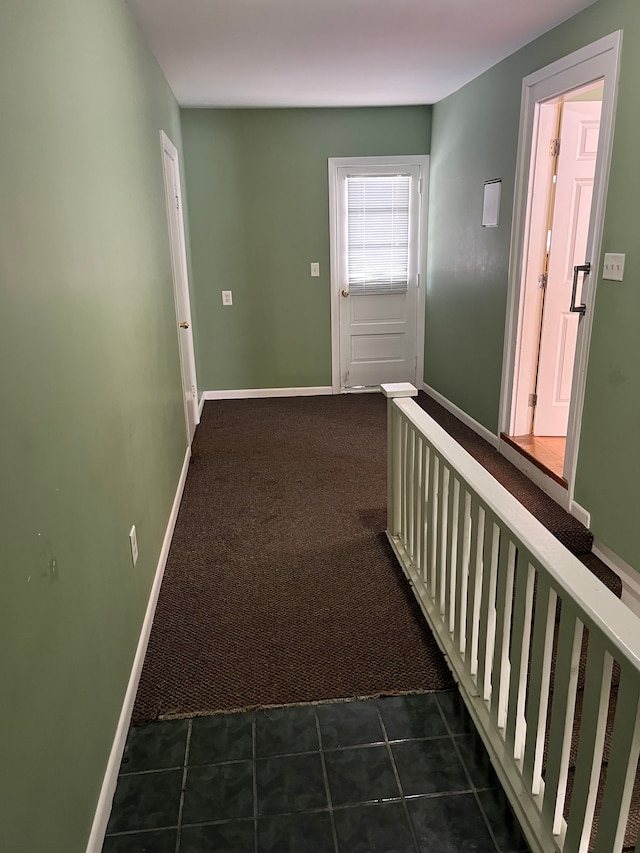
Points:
(533, 400)
(554, 147)
(543, 280)
(418, 285)
(177, 203)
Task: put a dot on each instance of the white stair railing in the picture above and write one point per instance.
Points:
(520, 620)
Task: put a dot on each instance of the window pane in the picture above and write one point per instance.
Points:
(378, 233)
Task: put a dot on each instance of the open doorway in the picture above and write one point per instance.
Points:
(564, 154)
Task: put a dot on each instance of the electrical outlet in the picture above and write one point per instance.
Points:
(315, 270)
(133, 541)
(227, 297)
(613, 267)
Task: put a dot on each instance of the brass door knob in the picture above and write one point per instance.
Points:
(345, 292)
(184, 325)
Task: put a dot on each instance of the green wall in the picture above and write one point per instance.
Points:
(475, 135)
(257, 193)
(91, 416)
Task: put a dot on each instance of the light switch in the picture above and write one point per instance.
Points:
(613, 267)
(315, 270)
(227, 297)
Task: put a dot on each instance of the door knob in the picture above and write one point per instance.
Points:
(184, 325)
(345, 292)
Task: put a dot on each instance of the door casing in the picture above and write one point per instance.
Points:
(599, 60)
(334, 164)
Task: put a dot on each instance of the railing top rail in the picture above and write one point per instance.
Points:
(598, 606)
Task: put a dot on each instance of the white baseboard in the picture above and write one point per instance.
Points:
(201, 406)
(255, 393)
(627, 574)
(103, 809)
(466, 419)
(583, 515)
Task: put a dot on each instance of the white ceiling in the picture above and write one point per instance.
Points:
(333, 53)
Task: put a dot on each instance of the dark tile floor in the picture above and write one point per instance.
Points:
(405, 774)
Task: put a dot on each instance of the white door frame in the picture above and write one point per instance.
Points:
(599, 60)
(181, 281)
(334, 163)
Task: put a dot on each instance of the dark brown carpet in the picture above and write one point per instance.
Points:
(280, 585)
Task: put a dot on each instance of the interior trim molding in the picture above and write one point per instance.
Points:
(559, 494)
(105, 800)
(583, 515)
(482, 431)
(256, 393)
(627, 574)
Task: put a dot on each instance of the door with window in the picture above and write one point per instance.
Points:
(376, 228)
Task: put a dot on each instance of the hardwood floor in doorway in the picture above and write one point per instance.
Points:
(545, 451)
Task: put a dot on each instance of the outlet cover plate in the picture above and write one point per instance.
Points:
(227, 297)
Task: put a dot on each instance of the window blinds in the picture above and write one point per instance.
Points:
(378, 233)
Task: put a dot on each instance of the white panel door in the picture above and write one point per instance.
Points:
(173, 194)
(571, 217)
(378, 323)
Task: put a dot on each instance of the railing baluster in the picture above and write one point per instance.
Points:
(622, 765)
(406, 492)
(424, 510)
(562, 715)
(487, 618)
(595, 705)
(445, 523)
(452, 550)
(475, 585)
(417, 503)
(411, 455)
(504, 603)
(434, 551)
(519, 654)
(538, 694)
(403, 487)
(462, 583)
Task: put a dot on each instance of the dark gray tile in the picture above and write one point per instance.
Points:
(156, 746)
(412, 716)
(381, 828)
(450, 824)
(429, 767)
(504, 826)
(223, 737)
(290, 784)
(309, 832)
(237, 836)
(360, 775)
(349, 724)
(218, 792)
(476, 760)
(146, 801)
(162, 841)
(455, 712)
(285, 730)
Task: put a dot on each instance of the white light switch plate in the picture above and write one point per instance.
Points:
(315, 270)
(613, 267)
(227, 297)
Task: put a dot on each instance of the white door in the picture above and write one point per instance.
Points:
(569, 232)
(180, 282)
(377, 231)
